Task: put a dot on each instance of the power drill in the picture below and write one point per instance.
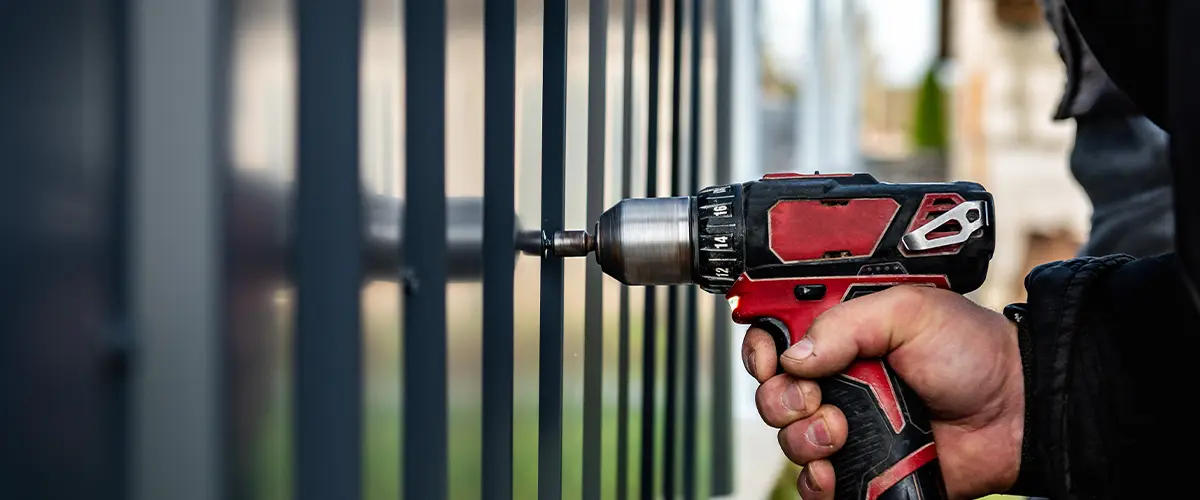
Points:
(787, 247)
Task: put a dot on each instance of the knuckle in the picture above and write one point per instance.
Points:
(910, 294)
(826, 321)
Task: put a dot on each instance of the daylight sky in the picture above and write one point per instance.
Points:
(902, 32)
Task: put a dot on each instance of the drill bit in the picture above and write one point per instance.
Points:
(576, 243)
(561, 244)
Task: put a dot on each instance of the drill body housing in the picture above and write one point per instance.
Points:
(844, 226)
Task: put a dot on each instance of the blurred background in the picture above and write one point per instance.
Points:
(223, 275)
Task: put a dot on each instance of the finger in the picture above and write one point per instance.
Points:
(865, 327)
(815, 437)
(784, 399)
(816, 481)
(759, 354)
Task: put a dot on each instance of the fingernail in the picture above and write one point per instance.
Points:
(748, 360)
(793, 399)
(811, 483)
(800, 350)
(818, 434)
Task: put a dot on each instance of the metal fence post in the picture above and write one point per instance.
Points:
(677, 304)
(623, 344)
(424, 275)
(499, 229)
(65, 357)
(722, 366)
(554, 116)
(177, 188)
(691, 342)
(593, 360)
(650, 324)
(328, 344)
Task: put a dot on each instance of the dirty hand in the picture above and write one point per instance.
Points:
(962, 359)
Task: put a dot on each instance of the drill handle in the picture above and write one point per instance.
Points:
(889, 452)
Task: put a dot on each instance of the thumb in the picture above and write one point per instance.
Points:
(866, 327)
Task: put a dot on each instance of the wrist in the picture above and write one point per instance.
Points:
(1025, 477)
(1011, 419)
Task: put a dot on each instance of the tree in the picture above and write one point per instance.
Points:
(929, 124)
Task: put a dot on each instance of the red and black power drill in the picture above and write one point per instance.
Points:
(786, 248)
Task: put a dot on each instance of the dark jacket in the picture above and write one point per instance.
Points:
(1110, 344)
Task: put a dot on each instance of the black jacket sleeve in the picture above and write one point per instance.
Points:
(1110, 350)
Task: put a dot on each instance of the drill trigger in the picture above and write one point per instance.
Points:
(778, 331)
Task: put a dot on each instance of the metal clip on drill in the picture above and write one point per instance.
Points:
(788, 247)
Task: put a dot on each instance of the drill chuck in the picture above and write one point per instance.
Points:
(647, 241)
(664, 241)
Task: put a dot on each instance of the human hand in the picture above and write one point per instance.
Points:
(960, 358)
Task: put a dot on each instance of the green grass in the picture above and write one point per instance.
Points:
(268, 467)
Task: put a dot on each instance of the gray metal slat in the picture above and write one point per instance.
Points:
(554, 88)
(593, 359)
(328, 344)
(425, 381)
(722, 423)
(623, 376)
(498, 235)
(691, 341)
(650, 337)
(176, 194)
(677, 311)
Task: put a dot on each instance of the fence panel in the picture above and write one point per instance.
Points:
(303, 218)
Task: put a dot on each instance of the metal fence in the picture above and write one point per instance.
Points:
(263, 249)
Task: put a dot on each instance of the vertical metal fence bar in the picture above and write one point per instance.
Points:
(328, 252)
(425, 384)
(675, 306)
(722, 419)
(554, 118)
(593, 358)
(630, 18)
(691, 342)
(63, 303)
(178, 71)
(499, 229)
(122, 339)
(650, 344)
